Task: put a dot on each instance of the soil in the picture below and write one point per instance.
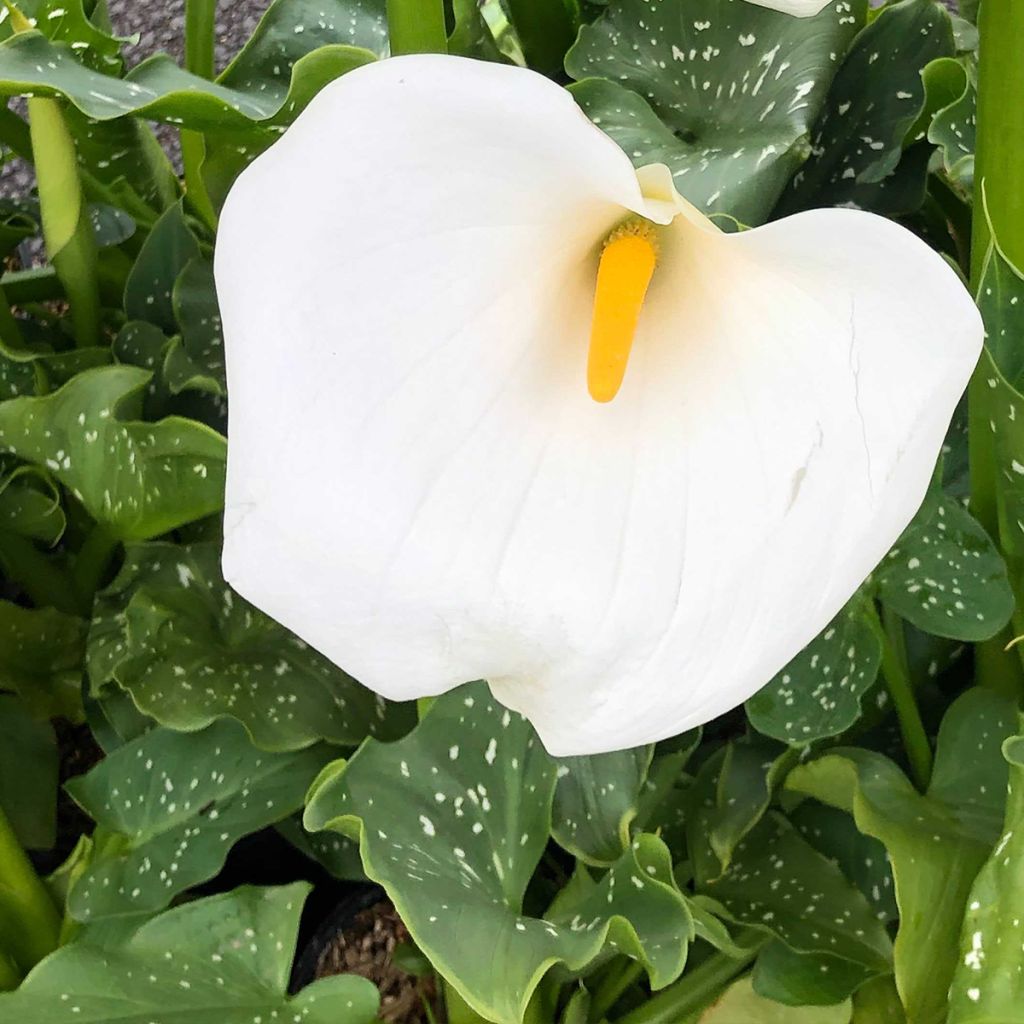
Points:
(366, 947)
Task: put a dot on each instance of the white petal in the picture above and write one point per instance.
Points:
(418, 483)
(798, 8)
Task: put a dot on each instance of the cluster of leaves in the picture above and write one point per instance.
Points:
(783, 863)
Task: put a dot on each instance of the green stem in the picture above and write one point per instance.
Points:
(998, 158)
(67, 230)
(416, 26)
(200, 32)
(1000, 133)
(92, 562)
(612, 987)
(45, 583)
(28, 898)
(896, 670)
(546, 30)
(698, 989)
(200, 29)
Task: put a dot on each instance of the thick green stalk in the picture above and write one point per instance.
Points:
(546, 30)
(997, 190)
(67, 230)
(416, 26)
(698, 989)
(27, 898)
(897, 678)
(200, 33)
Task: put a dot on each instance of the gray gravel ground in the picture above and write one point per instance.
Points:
(159, 25)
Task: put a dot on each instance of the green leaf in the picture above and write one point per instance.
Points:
(170, 246)
(42, 654)
(936, 843)
(778, 882)
(729, 797)
(196, 360)
(336, 853)
(1000, 297)
(30, 505)
(722, 91)
(876, 98)
(28, 774)
(139, 479)
(988, 985)
(34, 370)
(596, 800)
(65, 21)
(189, 650)
(740, 1004)
(945, 575)
(860, 857)
(220, 960)
(806, 979)
(171, 805)
(452, 821)
(818, 693)
(159, 90)
(953, 129)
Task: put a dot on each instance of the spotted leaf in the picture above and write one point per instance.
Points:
(778, 882)
(945, 575)
(875, 100)
(195, 360)
(953, 130)
(172, 633)
(452, 821)
(818, 693)
(220, 960)
(139, 479)
(596, 800)
(807, 979)
(169, 806)
(729, 797)
(936, 842)
(722, 91)
(989, 983)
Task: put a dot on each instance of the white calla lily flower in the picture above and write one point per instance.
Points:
(420, 484)
(797, 8)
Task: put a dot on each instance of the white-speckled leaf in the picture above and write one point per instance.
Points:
(169, 247)
(139, 479)
(777, 881)
(189, 650)
(875, 99)
(452, 821)
(722, 91)
(596, 800)
(953, 130)
(220, 960)
(728, 798)
(195, 360)
(171, 805)
(936, 843)
(818, 693)
(806, 979)
(945, 575)
(988, 985)
(30, 505)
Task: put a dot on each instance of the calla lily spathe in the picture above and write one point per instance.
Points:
(797, 8)
(419, 483)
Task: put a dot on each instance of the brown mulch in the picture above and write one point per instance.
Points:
(366, 948)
